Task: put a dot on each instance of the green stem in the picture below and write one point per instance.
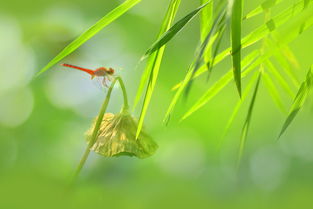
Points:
(126, 106)
(99, 121)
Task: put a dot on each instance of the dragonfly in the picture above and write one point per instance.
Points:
(105, 74)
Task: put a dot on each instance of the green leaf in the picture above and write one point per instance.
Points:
(151, 60)
(268, 4)
(305, 5)
(290, 31)
(169, 34)
(206, 17)
(193, 68)
(203, 68)
(93, 30)
(261, 32)
(264, 6)
(178, 94)
(299, 100)
(282, 60)
(217, 26)
(236, 18)
(206, 21)
(237, 107)
(274, 92)
(154, 64)
(210, 64)
(246, 125)
(279, 78)
(249, 63)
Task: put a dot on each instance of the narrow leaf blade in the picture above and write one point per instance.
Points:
(168, 35)
(261, 32)
(93, 30)
(237, 107)
(236, 19)
(249, 64)
(156, 63)
(274, 93)
(299, 100)
(246, 126)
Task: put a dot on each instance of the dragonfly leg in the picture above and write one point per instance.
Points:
(104, 82)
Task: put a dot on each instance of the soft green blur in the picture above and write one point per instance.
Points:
(43, 119)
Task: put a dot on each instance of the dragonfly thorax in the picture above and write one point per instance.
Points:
(102, 71)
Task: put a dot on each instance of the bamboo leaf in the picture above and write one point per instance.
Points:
(299, 100)
(218, 23)
(237, 107)
(289, 55)
(206, 17)
(278, 20)
(206, 20)
(203, 68)
(169, 34)
(151, 60)
(282, 60)
(246, 125)
(178, 94)
(260, 33)
(236, 18)
(93, 30)
(305, 5)
(264, 6)
(290, 31)
(155, 63)
(210, 64)
(274, 93)
(249, 63)
(279, 78)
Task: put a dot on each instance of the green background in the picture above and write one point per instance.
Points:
(43, 119)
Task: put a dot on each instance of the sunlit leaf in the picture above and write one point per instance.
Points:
(248, 63)
(264, 6)
(236, 18)
(152, 58)
(290, 31)
(206, 19)
(279, 78)
(170, 33)
(261, 32)
(218, 23)
(299, 100)
(210, 64)
(154, 65)
(283, 62)
(272, 89)
(238, 106)
(89, 33)
(246, 125)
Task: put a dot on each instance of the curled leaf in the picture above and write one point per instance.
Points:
(117, 137)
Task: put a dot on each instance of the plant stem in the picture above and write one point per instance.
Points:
(99, 121)
(126, 106)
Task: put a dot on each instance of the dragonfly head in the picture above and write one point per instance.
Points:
(110, 71)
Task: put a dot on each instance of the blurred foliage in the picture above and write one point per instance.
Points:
(43, 120)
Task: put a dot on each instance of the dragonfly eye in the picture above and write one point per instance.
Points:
(111, 71)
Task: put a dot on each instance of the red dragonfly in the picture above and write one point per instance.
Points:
(100, 72)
